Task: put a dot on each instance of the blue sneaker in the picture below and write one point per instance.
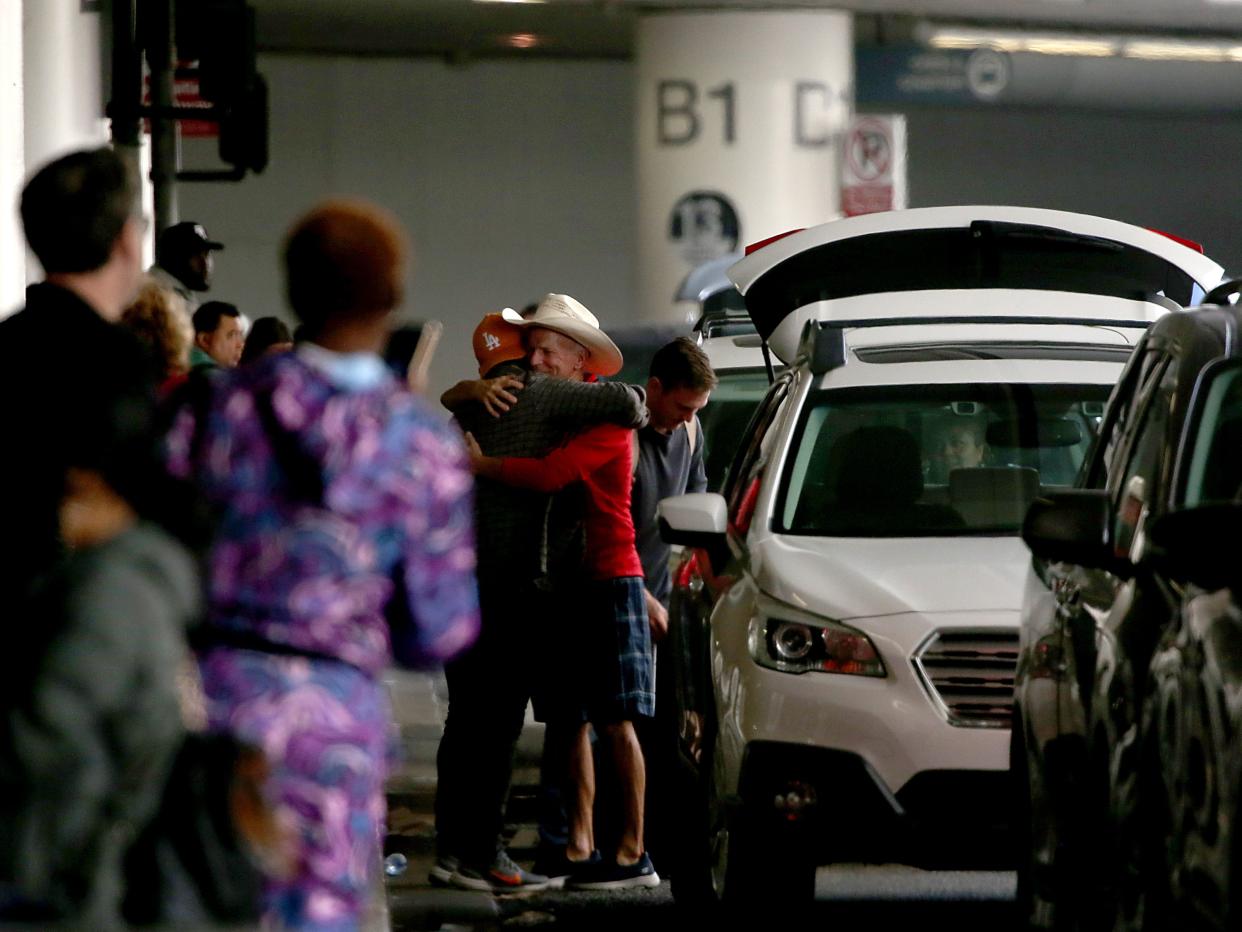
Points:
(558, 868)
(609, 875)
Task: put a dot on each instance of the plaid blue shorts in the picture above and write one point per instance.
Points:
(617, 680)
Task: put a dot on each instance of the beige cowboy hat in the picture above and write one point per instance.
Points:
(568, 316)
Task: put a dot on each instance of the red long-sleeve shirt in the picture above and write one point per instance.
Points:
(599, 458)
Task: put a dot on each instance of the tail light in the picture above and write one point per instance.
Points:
(687, 571)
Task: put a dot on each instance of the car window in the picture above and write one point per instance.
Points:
(748, 459)
(1140, 483)
(725, 417)
(1215, 473)
(1135, 386)
(933, 460)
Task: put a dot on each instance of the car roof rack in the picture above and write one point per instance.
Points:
(824, 347)
(723, 322)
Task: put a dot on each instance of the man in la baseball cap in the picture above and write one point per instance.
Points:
(183, 260)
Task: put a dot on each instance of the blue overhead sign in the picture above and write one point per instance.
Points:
(915, 74)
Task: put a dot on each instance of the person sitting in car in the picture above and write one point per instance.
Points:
(962, 444)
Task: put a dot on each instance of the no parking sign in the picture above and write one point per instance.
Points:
(873, 167)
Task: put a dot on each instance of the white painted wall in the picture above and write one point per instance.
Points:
(62, 64)
(51, 102)
(12, 158)
(517, 178)
(514, 179)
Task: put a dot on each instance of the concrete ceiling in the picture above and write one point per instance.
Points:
(466, 28)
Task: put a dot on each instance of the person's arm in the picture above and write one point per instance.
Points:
(440, 586)
(574, 405)
(657, 616)
(496, 395)
(576, 460)
(697, 481)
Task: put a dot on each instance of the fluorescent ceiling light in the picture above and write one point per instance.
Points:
(1091, 48)
(1037, 43)
(1147, 49)
(1158, 50)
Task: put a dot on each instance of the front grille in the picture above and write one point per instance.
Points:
(970, 674)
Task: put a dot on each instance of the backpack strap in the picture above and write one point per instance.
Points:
(692, 434)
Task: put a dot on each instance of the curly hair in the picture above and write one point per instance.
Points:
(158, 318)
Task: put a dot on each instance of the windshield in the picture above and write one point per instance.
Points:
(725, 417)
(934, 460)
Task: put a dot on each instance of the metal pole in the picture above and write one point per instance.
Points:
(163, 130)
(126, 85)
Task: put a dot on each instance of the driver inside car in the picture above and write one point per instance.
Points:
(961, 445)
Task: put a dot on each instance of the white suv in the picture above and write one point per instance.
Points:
(845, 627)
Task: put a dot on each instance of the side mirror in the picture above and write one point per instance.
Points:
(696, 519)
(1192, 545)
(1073, 526)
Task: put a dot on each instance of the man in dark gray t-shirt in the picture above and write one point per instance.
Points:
(669, 462)
(670, 458)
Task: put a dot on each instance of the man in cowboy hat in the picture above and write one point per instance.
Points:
(490, 685)
(611, 668)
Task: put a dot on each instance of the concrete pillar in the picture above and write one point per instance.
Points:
(12, 159)
(62, 68)
(740, 118)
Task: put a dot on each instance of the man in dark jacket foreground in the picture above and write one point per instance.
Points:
(95, 602)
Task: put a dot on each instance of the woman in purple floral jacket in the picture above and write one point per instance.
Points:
(345, 537)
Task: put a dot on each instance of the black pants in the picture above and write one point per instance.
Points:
(489, 687)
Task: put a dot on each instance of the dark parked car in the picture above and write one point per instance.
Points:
(1127, 686)
(1196, 673)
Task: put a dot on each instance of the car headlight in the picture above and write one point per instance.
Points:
(820, 646)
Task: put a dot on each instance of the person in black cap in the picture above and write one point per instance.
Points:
(184, 264)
